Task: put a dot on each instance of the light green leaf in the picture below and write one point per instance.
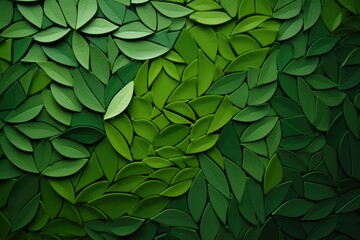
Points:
(53, 12)
(133, 30)
(210, 17)
(149, 49)
(57, 72)
(32, 12)
(19, 29)
(172, 10)
(120, 101)
(51, 34)
(98, 26)
(81, 49)
(86, 10)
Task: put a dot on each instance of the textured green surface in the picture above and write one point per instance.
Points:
(138, 119)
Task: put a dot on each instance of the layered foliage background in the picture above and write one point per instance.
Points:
(138, 119)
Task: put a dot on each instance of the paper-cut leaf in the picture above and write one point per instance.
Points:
(113, 10)
(69, 148)
(33, 13)
(24, 201)
(19, 29)
(26, 111)
(53, 11)
(149, 49)
(51, 34)
(64, 168)
(120, 101)
(273, 174)
(133, 30)
(210, 17)
(57, 72)
(172, 10)
(259, 129)
(176, 218)
(98, 26)
(86, 10)
(6, 11)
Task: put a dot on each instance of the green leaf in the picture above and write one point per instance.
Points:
(202, 144)
(51, 34)
(19, 29)
(290, 28)
(259, 129)
(253, 165)
(85, 88)
(237, 179)
(276, 196)
(177, 189)
(115, 204)
(98, 26)
(54, 109)
(120, 101)
(197, 196)
(20, 159)
(57, 72)
(64, 168)
(53, 11)
(302, 66)
(151, 206)
(65, 97)
(288, 11)
(312, 11)
(85, 11)
(322, 46)
(307, 100)
(99, 63)
(252, 113)
(148, 15)
(38, 130)
(219, 203)
(62, 53)
(6, 13)
(228, 83)
(24, 201)
(149, 49)
(210, 224)
(320, 210)
(63, 187)
(126, 225)
(69, 10)
(273, 174)
(133, 30)
(210, 17)
(172, 10)
(294, 208)
(175, 218)
(249, 23)
(26, 111)
(81, 49)
(249, 59)
(69, 148)
(33, 13)
(113, 10)
(214, 175)
(18, 139)
(117, 141)
(332, 14)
